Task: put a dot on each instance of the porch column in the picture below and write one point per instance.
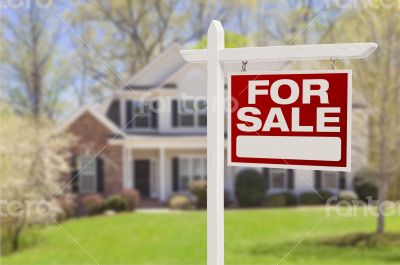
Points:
(162, 174)
(127, 167)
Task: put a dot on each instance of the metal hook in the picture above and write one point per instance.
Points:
(333, 64)
(244, 64)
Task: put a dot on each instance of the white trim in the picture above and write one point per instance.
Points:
(289, 166)
(286, 53)
(105, 121)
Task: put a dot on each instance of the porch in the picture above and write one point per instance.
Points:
(158, 166)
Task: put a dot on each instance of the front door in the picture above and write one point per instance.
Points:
(142, 177)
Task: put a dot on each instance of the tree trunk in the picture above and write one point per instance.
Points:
(380, 226)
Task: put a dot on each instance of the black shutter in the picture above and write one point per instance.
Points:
(100, 174)
(154, 115)
(265, 173)
(129, 115)
(342, 180)
(290, 179)
(317, 180)
(174, 109)
(113, 113)
(74, 174)
(175, 174)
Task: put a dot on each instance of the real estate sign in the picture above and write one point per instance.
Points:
(290, 119)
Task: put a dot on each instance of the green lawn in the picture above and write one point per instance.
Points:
(251, 237)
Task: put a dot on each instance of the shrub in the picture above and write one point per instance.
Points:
(116, 203)
(365, 184)
(93, 204)
(310, 198)
(67, 205)
(348, 196)
(366, 190)
(199, 189)
(291, 198)
(325, 196)
(132, 198)
(275, 200)
(250, 188)
(179, 202)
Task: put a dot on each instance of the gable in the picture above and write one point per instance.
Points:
(86, 116)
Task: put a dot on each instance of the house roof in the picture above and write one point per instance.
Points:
(157, 70)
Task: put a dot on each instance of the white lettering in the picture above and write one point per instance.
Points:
(321, 92)
(322, 119)
(280, 123)
(255, 122)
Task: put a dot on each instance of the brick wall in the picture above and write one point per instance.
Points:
(92, 137)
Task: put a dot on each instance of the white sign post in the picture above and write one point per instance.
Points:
(214, 56)
(215, 145)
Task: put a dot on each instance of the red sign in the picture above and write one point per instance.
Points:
(296, 119)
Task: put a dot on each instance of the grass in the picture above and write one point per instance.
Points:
(251, 237)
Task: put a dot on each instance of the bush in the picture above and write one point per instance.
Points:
(366, 190)
(291, 198)
(67, 205)
(93, 204)
(325, 196)
(365, 184)
(199, 189)
(250, 188)
(275, 200)
(348, 196)
(310, 198)
(179, 202)
(132, 198)
(116, 203)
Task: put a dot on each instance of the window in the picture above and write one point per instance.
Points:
(202, 113)
(278, 178)
(141, 114)
(186, 117)
(192, 168)
(329, 180)
(87, 175)
(193, 113)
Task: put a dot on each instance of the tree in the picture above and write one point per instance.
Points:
(120, 37)
(293, 21)
(232, 40)
(378, 81)
(36, 77)
(32, 157)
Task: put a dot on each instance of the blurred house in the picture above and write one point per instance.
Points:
(151, 136)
